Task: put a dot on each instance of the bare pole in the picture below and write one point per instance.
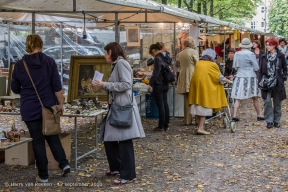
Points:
(117, 34)
(8, 52)
(174, 45)
(33, 23)
(74, 5)
(61, 50)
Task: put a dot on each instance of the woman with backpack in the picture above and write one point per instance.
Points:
(272, 63)
(160, 84)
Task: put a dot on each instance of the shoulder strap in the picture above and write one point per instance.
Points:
(27, 70)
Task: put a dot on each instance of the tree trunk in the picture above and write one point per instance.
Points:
(191, 5)
(179, 3)
(211, 8)
(164, 2)
(199, 7)
(204, 7)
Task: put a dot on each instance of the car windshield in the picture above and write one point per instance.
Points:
(68, 51)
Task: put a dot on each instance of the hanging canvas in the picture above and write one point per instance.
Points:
(133, 36)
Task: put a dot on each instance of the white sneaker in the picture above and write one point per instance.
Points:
(41, 180)
(65, 170)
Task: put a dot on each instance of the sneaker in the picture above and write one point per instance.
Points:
(38, 179)
(121, 181)
(260, 118)
(166, 128)
(65, 170)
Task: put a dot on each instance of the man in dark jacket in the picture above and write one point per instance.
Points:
(230, 72)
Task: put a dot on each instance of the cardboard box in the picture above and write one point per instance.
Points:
(65, 139)
(20, 155)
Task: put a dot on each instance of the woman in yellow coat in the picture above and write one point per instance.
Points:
(206, 95)
(187, 61)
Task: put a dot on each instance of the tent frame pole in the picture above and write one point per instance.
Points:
(33, 23)
(61, 50)
(117, 34)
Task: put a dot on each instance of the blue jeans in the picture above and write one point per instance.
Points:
(38, 144)
(160, 95)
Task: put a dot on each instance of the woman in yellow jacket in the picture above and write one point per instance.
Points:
(206, 95)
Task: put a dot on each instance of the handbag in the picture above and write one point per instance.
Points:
(121, 116)
(50, 115)
(268, 83)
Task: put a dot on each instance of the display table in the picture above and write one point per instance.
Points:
(8, 144)
(94, 114)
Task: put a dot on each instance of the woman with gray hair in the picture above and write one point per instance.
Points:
(245, 84)
(207, 80)
(187, 62)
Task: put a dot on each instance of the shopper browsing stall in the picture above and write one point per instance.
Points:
(206, 95)
(160, 86)
(44, 73)
(117, 139)
(187, 62)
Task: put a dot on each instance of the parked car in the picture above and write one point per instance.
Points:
(68, 51)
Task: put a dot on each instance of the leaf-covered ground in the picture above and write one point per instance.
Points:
(253, 158)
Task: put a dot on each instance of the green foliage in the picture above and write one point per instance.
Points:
(278, 17)
(236, 11)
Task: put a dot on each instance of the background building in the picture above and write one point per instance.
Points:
(260, 20)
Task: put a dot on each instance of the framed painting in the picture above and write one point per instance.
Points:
(82, 70)
(11, 68)
(133, 36)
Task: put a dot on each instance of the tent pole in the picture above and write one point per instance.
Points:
(61, 50)
(8, 52)
(33, 23)
(224, 46)
(174, 46)
(74, 5)
(117, 38)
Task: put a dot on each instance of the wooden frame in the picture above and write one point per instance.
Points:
(133, 36)
(81, 75)
(11, 68)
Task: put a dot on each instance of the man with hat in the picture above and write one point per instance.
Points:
(230, 72)
(245, 85)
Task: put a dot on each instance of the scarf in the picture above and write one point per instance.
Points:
(271, 65)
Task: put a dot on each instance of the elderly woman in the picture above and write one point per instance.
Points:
(273, 62)
(118, 141)
(245, 84)
(206, 93)
(187, 61)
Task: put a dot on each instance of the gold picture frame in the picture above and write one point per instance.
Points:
(11, 68)
(133, 36)
(82, 70)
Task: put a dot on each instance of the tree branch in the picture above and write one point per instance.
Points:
(189, 8)
(223, 8)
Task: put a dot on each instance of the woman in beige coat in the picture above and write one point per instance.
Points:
(187, 60)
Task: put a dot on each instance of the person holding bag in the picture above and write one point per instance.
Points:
(116, 133)
(273, 63)
(45, 77)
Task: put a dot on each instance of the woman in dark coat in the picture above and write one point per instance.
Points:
(267, 61)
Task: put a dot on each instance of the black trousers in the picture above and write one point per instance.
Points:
(38, 144)
(160, 95)
(121, 158)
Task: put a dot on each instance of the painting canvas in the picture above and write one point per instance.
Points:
(82, 70)
(133, 36)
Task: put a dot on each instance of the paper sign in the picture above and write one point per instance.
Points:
(98, 76)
